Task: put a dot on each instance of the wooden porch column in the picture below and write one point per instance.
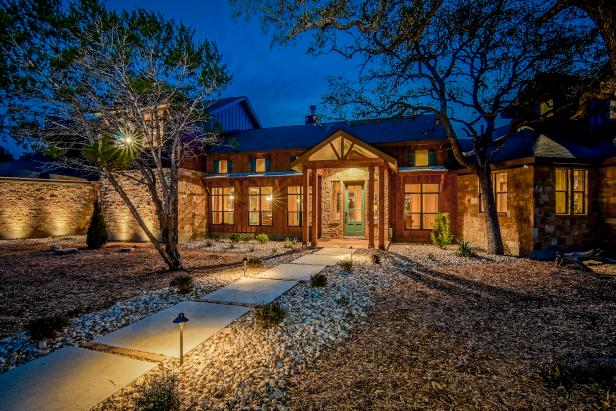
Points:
(305, 222)
(315, 207)
(370, 203)
(382, 228)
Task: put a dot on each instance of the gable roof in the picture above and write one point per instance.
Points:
(377, 131)
(219, 105)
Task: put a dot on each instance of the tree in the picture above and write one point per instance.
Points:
(464, 61)
(5, 155)
(603, 14)
(122, 94)
(97, 230)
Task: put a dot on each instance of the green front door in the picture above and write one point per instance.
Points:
(354, 209)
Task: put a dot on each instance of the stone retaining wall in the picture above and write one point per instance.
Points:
(37, 208)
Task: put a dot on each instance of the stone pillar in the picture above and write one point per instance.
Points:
(305, 222)
(382, 228)
(370, 204)
(315, 207)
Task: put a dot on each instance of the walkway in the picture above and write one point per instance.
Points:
(78, 378)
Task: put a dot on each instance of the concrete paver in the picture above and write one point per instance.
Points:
(335, 251)
(157, 334)
(292, 272)
(320, 259)
(250, 291)
(70, 378)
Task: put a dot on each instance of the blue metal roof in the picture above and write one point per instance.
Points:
(377, 131)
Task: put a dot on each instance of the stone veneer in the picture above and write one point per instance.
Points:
(332, 228)
(36, 208)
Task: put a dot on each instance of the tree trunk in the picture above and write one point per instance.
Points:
(493, 233)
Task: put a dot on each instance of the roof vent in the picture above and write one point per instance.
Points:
(312, 118)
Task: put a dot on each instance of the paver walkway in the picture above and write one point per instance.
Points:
(77, 378)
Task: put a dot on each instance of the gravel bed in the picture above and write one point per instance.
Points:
(246, 367)
(19, 348)
(248, 248)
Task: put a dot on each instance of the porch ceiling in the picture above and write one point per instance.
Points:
(343, 149)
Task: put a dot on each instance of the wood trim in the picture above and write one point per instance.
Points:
(343, 163)
(305, 222)
(315, 203)
(382, 228)
(370, 206)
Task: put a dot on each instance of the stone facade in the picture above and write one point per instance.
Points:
(36, 208)
(192, 206)
(516, 224)
(332, 228)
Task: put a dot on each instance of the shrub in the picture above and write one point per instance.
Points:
(274, 250)
(235, 237)
(289, 243)
(465, 249)
(208, 243)
(441, 230)
(262, 238)
(46, 327)
(346, 264)
(159, 393)
(254, 262)
(269, 315)
(376, 259)
(182, 283)
(97, 230)
(318, 280)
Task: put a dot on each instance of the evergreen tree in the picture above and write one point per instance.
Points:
(97, 231)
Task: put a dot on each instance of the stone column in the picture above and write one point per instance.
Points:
(305, 222)
(382, 228)
(315, 207)
(370, 204)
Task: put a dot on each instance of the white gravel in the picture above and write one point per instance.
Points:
(245, 366)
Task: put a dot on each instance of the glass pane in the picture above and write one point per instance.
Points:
(216, 191)
(430, 188)
(561, 179)
(266, 218)
(414, 223)
(222, 166)
(216, 218)
(266, 202)
(253, 203)
(561, 202)
(414, 203)
(228, 190)
(501, 202)
(228, 204)
(421, 158)
(428, 221)
(260, 165)
(294, 189)
(253, 218)
(430, 203)
(578, 203)
(578, 180)
(253, 190)
(267, 190)
(501, 182)
(294, 203)
(229, 217)
(217, 203)
(293, 219)
(412, 188)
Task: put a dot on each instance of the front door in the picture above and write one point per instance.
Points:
(354, 209)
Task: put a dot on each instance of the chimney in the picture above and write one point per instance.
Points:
(312, 118)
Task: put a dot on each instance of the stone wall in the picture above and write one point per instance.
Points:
(123, 227)
(332, 228)
(607, 204)
(516, 224)
(36, 208)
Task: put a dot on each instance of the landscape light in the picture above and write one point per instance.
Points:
(180, 320)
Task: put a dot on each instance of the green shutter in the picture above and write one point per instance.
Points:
(253, 165)
(229, 166)
(216, 169)
(267, 165)
(411, 159)
(431, 157)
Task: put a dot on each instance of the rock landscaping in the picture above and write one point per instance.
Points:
(248, 366)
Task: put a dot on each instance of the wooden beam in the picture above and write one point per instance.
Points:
(315, 210)
(305, 221)
(343, 163)
(335, 152)
(370, 203)
(382, 228)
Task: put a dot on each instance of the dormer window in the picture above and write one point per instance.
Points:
(259, 165)
(422, 158)
(222, 166)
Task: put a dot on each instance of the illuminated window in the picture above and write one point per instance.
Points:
(294, 206)
(336, 201)
(546, 107)
(260, 200)
(260, 165)
(571, 191)
(223, 167)
(499, 188)
(420, 206)
(421, 158)
(222, 205)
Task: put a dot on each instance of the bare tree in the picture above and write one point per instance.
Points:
(463, 60)
(123, 95)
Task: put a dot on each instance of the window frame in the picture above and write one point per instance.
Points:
(264, 162)
(421, 212)
(260, 212)
(295, 197)
(571, 191)
(223, 212)
(495, 193)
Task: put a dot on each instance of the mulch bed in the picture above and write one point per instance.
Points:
(34, 282)
(489, 334)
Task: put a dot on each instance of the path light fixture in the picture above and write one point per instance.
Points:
(180, 320)
(245, 260)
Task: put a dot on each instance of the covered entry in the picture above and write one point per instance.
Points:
(348, 182)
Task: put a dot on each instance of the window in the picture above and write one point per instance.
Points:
(422, 158)
(612, 115)
(499, 188)
(420, 206)
(260, 201)
(222, 166)
(546, 107)
(294, 206)
(260, 165)
(571, 191)
(222, 205)
(336, 200)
